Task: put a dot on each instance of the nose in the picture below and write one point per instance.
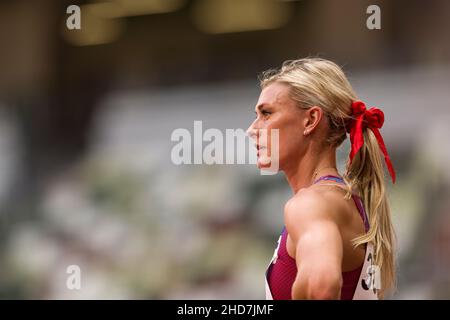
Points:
(252, 132)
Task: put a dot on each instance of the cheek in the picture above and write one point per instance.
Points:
(289, 133)
(264, 133)
(291, 138)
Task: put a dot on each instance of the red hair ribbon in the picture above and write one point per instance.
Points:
(372, 119)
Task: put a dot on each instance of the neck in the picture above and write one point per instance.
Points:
(301, 174)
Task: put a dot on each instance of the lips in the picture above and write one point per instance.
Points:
(258, 147)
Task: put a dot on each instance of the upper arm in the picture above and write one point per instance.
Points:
(312, 226)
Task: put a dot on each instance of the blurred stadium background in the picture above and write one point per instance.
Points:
(85, 124)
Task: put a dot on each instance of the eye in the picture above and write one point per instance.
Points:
(264, 112)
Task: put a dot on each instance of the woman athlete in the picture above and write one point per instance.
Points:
(338, 239)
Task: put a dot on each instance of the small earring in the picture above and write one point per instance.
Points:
(306, 132)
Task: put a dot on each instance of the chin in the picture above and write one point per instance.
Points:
(265, 164)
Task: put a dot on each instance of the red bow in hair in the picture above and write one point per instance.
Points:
(372, 119)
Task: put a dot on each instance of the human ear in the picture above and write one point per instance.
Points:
(312, 119)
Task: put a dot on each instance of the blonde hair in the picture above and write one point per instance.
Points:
(319, 82)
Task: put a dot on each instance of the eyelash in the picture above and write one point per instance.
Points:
(264, 113)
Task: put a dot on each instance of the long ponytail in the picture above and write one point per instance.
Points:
(365, 175)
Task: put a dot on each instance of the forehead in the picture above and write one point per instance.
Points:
(275, 93)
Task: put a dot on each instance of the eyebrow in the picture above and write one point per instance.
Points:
(262, 105)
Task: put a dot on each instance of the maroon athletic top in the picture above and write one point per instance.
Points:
(282, 272)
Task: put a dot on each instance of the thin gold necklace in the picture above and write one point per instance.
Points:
(318, 170)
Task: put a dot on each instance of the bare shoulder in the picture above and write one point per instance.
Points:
(314, 205)
(306, 203)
